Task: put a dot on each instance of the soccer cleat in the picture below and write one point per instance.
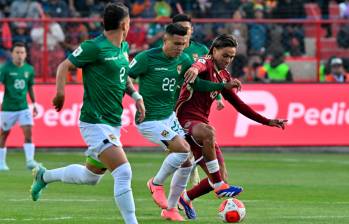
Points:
(4, 167)
(187, 206)
(171, 214)
(157, 193)
(38, 182)
(31, 164)
(225, 190)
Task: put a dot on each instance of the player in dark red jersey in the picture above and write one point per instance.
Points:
(193, 109)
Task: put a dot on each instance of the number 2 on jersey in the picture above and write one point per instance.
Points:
(122, 74)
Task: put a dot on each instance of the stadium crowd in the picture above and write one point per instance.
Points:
(262, 47)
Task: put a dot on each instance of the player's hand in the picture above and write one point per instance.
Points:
(235, 83)
(35, 111)
(58, 102)
(190, 75)
(279, 123)
(220, 105)
(141, 109)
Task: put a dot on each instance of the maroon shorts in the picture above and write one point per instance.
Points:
(195, 147)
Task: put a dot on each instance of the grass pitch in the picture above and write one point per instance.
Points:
(279, 188)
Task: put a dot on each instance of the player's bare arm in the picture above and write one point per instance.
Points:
(233, 84)
(130, 90)
(279, 123)
(62, 71)
(32, 98)
(191, 74)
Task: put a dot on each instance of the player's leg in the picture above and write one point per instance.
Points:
(8, 119)
(3, 150)
(26, 122)
(116, 161)
(205, 134)
(160, 132)
(29, 147)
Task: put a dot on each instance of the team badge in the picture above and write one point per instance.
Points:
(165, 133)
(179, 68)
(26, 75)
(196, 57)
(112, 137)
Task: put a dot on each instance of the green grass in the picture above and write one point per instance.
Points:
(279, 188)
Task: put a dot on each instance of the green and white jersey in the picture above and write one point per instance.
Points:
(160, 79)
(17, 81)
(104, 68)
(196, 50)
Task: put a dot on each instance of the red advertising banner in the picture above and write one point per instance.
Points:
(318, 114)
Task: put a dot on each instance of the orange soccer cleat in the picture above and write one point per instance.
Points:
(158, 194)
(171, 214)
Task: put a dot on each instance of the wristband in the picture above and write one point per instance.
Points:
(136, 96)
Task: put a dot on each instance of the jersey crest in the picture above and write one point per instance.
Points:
(26, 75)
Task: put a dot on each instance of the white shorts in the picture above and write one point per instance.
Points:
(99, 137)
(163, 130)
(10, 118)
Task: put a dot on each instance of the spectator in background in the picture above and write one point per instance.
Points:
(162, 9)
(289, 9)
(55, 37)
(21, 33)
(239, 31)
(337, 73)
(155, 34)
(56, 8)
(94, 28)
(137, 38)
(293, 40)
(223, 8)
(258, 33)
(344, 9)
(25, 9)
(277, 70)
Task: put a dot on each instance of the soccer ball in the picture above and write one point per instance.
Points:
(232, 210)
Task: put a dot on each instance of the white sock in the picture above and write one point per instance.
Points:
(172, 162)
(123, 193)
(29, 150)
(179, 182)
(72, 174)
(3, 152)
(212, 167)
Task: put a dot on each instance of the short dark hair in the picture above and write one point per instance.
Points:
(176, 29)
(113, 14)
(222, 41)
(18, 44)
(181, 18)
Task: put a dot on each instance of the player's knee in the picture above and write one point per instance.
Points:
(209, 135)
(92, 178)
(122, 179)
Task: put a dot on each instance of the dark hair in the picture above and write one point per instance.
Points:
(181, 18)
(176, 29)
(113, 14)
(18, 44)
(222, 41)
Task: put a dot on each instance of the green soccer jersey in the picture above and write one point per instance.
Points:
(196, 50)
(104, 68)
(160, 77)
(17, 81)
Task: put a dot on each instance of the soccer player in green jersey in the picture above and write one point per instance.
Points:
(161, 74)
(18, 79)
(104, 63)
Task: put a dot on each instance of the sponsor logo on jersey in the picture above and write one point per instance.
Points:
(13, 73)
(195, 56)
(111, 58)
(179, 68)
(165, 133)
(161, 69)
